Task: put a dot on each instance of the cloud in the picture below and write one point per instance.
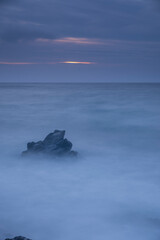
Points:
(23, 34)
(157, 3)
(5, 2)
(73, 62)
(44, 63)
(17, 63)
(85, 19)
(70, 40)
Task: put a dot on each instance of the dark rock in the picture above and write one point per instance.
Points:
(38, 146)
(64, 146)
(18, 238)
(54, 138)
(54, 144)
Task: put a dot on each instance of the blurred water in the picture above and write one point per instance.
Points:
(111, 192)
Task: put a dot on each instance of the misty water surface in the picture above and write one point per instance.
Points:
(112, 191)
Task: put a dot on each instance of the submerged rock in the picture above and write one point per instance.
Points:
(18, 238)
(54, 144)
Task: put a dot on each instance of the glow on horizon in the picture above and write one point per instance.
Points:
(27, 63)
(44, 63)
(73, 62)
(17, 63)
(70, 40)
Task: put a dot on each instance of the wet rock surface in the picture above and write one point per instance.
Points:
(54, 145)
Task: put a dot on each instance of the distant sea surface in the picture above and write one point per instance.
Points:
(111, 191)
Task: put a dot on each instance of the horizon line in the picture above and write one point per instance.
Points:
(76, 82)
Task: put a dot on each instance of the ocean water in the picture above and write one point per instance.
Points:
(111, 191)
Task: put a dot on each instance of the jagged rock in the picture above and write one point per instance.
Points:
(18, 238)
(54, 144)
(54, 138)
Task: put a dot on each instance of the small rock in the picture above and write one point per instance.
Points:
(18, 238)
(54, 144)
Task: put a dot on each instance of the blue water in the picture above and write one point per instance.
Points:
(112, 191)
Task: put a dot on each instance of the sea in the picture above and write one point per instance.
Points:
(111, 191)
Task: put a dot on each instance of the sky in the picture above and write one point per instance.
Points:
(80, 41)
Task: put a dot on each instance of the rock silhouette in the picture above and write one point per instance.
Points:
(18, 238)
(54, 144)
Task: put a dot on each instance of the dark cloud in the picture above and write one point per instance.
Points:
(129, 27)
(114, 19)
(24, 35)
(6, 2)
(157, 1)
(157, 4)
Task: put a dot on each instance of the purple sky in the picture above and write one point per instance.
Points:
(80, 41)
